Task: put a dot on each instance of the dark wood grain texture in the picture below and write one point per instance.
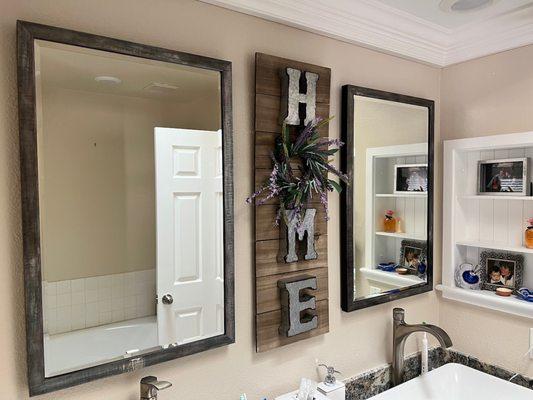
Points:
(270, 253)
(267, 78)
(27, 33)
(269, 242)
(268, 294)
(266, 214)
(347, 199)
(268, 323)
(267, 114)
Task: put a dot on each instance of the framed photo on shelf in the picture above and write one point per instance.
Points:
(501, 270)
(503, 177)
(411, 179)
(412, 253)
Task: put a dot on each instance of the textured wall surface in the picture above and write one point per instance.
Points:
(356, 342)
(488, 96)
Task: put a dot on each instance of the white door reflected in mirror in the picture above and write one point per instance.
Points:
(189, 234)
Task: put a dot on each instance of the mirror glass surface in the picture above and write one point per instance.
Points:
(390, 198)
(131, 205)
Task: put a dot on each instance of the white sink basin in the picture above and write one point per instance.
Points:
(456, 382)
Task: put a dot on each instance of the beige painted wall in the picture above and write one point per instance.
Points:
(98, 198)
(357, 341)
(492, 95)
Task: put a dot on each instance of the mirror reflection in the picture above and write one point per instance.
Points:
(131, 205)
(390, 176)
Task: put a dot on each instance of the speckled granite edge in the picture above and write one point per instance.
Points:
(377, 380)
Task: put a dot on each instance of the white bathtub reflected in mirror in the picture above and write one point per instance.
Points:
(83, 348)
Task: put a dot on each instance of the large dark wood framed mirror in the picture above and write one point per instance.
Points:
(127, 204)
(387, 207)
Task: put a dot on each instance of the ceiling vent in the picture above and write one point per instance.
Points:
(465, 5)
(159, 87)
(108, 80)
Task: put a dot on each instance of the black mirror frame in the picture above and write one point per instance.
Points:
(348, 303)
(27, 33)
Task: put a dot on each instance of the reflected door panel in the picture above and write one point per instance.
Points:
(189, 221)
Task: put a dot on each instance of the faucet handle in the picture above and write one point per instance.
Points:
(330, 378)
(150, 386)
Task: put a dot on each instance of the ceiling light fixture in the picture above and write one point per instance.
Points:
(108, 80)
(465, 5)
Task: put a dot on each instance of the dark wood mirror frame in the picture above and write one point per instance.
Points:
(347, 202)
(27, 33)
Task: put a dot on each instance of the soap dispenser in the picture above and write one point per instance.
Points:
(331, 388)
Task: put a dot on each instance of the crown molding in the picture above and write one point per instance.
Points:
(375, 25)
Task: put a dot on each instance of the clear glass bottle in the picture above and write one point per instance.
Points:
(389, 223)
(528, 235)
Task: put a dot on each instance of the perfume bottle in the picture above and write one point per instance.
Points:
(528, 236)
(399, 225)
(389, 223)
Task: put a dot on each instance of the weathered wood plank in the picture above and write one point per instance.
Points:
(267, 325)
(270, 253)
(264, 145)
(269, 247)
(267, 78)
(266, 214)
(268, 111)
(268, 294)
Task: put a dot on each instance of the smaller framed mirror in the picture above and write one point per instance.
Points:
(387, 207)
(127, 204)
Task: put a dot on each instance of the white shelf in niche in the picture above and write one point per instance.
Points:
(409, 208)
(390, 278)
(401, 235)
(473, 223)
(488, 299)
(402, 195)
(489, 197)
(495, 246)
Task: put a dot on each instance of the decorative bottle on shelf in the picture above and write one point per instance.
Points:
(399, 225)
(389, 224)
(528, 236)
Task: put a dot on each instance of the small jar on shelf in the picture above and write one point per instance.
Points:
(528, 236)
(389, 223)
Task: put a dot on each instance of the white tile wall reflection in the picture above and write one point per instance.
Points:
(84, 303)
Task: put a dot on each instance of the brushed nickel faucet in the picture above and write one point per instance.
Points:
(401, 332)
(150, 386)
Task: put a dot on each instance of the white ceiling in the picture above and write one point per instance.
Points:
(415, 29)
(430, 11)
(75, 68)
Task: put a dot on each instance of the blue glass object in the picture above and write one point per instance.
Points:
(422, 268)
(387, 267)
(525, 294)
(470, 277)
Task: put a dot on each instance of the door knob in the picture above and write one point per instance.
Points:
(167, 299)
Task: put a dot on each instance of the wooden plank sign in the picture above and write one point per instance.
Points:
(294, 92)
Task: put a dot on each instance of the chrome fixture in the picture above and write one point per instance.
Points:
(167, 299)
(150, 386)
(401, 332)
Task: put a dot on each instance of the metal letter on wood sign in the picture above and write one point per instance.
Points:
(307, 225)
(293, 305)
(291, 96)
